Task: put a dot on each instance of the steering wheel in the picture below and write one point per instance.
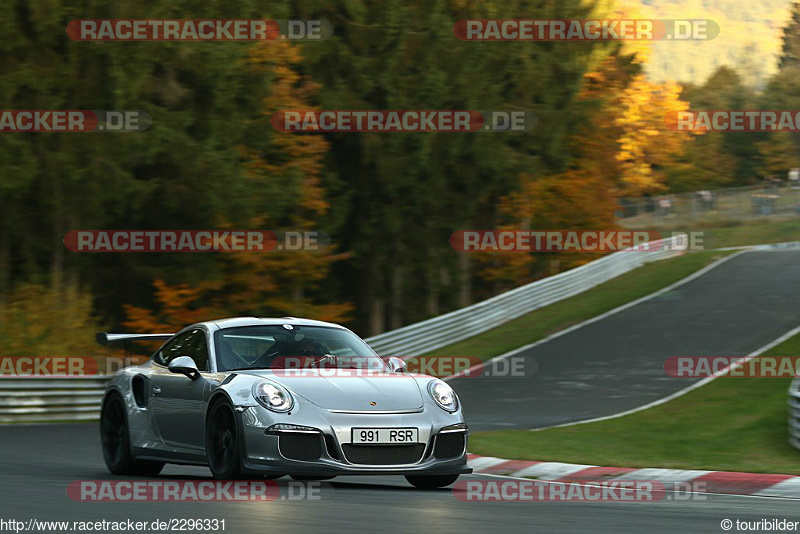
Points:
(328, 358)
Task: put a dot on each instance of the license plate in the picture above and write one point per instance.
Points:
(373, 436)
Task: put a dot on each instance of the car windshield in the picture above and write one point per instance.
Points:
(292, 346)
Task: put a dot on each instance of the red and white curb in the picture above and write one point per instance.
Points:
(762, 485)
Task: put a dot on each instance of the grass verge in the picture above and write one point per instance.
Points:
(730, 424)
(753, 232)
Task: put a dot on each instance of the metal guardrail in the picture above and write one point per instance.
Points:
(794, 413)
(46, 399)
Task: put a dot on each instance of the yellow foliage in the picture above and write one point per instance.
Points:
(779, 153)
(645, 143)
(37, 321)
(619, 149)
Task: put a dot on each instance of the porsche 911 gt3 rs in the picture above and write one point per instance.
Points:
(275, 397)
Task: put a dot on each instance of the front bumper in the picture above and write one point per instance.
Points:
(263, 453)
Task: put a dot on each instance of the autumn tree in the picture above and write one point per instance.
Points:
(645, 145)
(790, 49)
(618, 146)
(287, 171)
(183, 173)
(780, 151)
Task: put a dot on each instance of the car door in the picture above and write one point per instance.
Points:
(178, 402)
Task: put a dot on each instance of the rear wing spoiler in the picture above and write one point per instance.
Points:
(104, 338)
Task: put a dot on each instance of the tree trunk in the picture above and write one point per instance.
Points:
(4, 263)
(396, 304)
(464, 279)
(434, 285)
(376, 321)
(374, 299)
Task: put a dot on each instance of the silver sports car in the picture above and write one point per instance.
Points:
(273, 397)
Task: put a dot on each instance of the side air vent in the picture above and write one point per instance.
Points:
(139, 389)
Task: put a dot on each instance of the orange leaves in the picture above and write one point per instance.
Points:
(335, 313)
(178, 307)
(266, 283)
(281, 281)
(575, 199)
(290, 157)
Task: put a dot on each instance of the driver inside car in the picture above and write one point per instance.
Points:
(296, 354)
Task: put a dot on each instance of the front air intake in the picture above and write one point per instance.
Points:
(300, 446)
(383, 454)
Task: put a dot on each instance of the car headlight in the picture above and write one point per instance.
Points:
(273, 397)
(443, 395)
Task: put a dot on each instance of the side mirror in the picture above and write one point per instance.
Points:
(184, 365)
(396, 365)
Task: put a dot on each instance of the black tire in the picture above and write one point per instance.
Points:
(223, 447)
(431, 481)
(302, 478)
(116, 443)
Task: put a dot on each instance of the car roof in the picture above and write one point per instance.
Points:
(267, 321)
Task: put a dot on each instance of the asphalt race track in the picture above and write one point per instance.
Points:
(616, 363)
(38, 462)
(611, 365)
